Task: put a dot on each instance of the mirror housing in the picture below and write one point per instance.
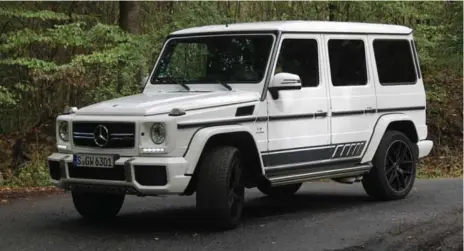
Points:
(284, 81)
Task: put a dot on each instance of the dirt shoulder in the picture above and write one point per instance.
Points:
(8, 194)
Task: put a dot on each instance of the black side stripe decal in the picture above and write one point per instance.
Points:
(412, 108)
(288, 117)
(316, 153)
(292, 116)
(347, 113)
(360, 112)
(215, 123)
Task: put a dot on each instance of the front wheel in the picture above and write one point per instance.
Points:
(220, 189)
(394, 171)
(97, 206)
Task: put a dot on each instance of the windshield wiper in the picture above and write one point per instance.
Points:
(225, 85)
(184, 85)
(181, 83)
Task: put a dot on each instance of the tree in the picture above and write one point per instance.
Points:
(129, 16)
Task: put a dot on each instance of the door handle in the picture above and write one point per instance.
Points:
(320, 113)
(369, 110)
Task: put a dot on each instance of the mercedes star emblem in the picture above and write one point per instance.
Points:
(101, 135)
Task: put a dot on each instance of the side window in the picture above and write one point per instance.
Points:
(347, 62)
(395, 63)
(300, 56)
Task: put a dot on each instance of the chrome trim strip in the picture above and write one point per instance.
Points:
(310, 163)
(83, 137)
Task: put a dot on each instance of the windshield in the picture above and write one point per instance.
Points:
(215, 59)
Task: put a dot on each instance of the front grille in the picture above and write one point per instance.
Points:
(119, 134)
(115, 173)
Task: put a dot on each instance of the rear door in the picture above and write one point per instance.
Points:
(352, 94)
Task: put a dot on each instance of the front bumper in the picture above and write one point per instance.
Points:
(132, 175)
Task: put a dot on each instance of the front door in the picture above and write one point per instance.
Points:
(298, 126)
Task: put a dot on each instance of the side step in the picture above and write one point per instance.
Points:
(333, 173)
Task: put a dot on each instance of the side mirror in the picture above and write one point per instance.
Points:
(284, 81)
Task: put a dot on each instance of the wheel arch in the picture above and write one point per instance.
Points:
(398, 122)
(234, 135)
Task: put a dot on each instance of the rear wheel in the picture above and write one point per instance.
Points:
(220, 189)
(394, 171)
(279, 191)
(97, 206)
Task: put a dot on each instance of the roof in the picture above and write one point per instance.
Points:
(299, 26)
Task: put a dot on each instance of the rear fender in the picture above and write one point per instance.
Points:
(379, 130)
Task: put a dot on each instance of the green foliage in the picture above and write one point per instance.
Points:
(33, 174)
(57, 54)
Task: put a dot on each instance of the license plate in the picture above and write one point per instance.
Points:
(91, 160)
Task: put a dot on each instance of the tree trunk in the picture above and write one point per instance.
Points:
(129, 16)
(129, 20)
(332, 8)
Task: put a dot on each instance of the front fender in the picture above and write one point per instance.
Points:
(201, 137)
(379, 130)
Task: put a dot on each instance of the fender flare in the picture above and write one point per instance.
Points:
(380, 128)
(201, 137)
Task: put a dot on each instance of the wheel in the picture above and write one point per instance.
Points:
(97, 206)
(220, 189)
(279, 191)
(393, 174)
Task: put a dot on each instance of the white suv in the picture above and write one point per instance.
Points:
(267, 105)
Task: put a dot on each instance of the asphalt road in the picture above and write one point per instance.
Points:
(322, 216)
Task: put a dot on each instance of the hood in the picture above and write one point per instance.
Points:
(150, 104)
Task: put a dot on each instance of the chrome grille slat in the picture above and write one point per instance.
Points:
(83, 133)
(120, 134)
(83, 137)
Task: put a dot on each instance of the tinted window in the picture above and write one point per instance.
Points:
(394, 61)
(300, 57)
(347, 62)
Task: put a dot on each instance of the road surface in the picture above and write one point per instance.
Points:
(321, 216)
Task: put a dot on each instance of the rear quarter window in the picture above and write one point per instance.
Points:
(395, 63)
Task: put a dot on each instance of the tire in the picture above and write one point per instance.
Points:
(97, 206)
(220, 190)
(392, 178)
(279, 191)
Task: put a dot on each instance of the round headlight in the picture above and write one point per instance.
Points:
(158, 133)
(63, 130)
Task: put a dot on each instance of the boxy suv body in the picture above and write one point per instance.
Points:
(268, 105)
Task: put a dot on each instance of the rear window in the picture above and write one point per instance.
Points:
(395, 63)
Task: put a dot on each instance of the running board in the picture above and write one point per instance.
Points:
(334, 173)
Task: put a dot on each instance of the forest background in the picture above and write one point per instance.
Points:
(58, 54)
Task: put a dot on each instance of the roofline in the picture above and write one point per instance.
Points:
(276, 31)
(218, 33)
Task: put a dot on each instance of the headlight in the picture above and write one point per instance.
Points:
(63, 131)
(158, 133)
